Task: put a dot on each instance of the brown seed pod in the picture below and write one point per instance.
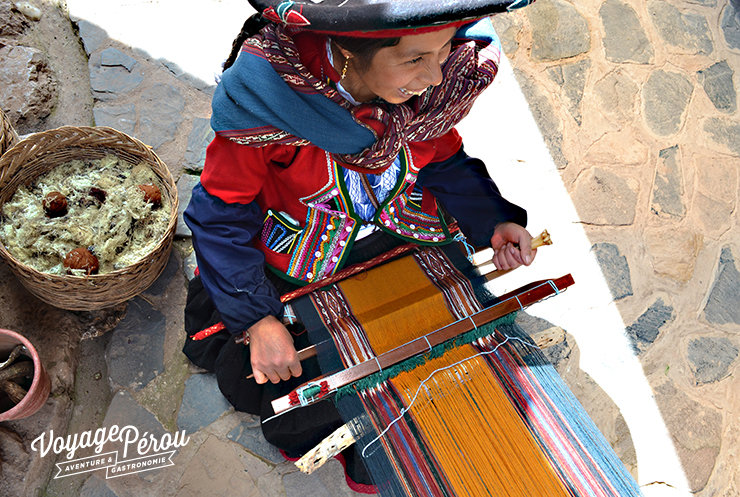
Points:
(81, 258)
(55, 204)
(152, 194)
(98, 194)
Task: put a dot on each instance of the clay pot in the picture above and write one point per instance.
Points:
(40, 387)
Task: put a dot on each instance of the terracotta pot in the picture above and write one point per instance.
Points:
(40, 387)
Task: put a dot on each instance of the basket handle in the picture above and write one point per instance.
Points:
(8, 136)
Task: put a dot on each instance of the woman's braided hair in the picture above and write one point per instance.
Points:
(251, 27)
(364, 49)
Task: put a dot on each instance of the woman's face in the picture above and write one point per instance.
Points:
(397, 73)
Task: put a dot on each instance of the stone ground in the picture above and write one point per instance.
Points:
(637, 102)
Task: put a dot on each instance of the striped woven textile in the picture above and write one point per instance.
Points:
(491, 418)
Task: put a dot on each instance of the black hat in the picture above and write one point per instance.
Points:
(378, 17)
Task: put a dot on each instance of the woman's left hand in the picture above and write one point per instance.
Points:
(512, 246)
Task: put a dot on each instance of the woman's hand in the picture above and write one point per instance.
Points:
(272, 351)
(512, 246)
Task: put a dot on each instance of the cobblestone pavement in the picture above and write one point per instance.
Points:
(637, 104)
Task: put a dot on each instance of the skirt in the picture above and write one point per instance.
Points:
(299, 430)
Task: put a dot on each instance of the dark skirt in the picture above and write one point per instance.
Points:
(294, 432)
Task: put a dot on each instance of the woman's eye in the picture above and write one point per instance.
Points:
(416, 60)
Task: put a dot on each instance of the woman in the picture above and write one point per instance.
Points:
(331, 148)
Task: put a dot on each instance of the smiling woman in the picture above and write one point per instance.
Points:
(335, 142)
(398, 71)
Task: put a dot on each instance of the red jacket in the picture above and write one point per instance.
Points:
(309, 223)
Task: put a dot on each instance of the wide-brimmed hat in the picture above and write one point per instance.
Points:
(375, 18)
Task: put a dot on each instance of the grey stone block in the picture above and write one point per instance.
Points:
(615, 268)
(92, 35)
(687, 31)
(111, 57)
(717, 82)
(572, 79)
(625, 39)
(160, 113)
(28, 86)
(507, 28)
(198, 139)
(189, 265)
(532, 324)
(600, 187)
(95, 487)
(122, 117)
(299, 485)
(250, 436)
(108, 82)
(163, 281)
(723, 305)
(646, 329)
(202, 403)
(559, 31)
(696, 430)
(665, 97)
(731, 26)
(546, 118)
(725, 132)
(172, 67)
(124, 411)
(135, 353)
(667, 188)
(185, 186)
(711, 358)
(617, 94)
(14, 23)
(197, 83)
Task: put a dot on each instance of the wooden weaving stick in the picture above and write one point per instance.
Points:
(539, 241)
(343, 436)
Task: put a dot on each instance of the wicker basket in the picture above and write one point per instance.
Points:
(8, 136)
(43, 151)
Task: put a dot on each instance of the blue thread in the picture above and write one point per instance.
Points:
(552, 284)
(288, 314)
(518, 301)
(469, 249)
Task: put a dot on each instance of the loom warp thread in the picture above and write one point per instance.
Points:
(423, 383)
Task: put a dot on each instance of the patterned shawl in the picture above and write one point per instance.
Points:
(270, 97)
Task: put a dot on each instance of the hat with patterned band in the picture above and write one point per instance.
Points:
(379, 18)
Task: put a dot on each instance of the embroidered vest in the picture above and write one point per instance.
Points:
(320, 246)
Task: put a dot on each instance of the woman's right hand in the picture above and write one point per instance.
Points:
(272, 351)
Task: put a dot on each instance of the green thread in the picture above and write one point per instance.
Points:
(310, 392)
(416, 361)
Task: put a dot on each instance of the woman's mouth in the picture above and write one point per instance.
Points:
(412, 93)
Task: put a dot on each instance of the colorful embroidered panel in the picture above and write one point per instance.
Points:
(491, 418)
(318, 249)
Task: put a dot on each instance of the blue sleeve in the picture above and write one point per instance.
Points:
(464, 188)
(232, 270)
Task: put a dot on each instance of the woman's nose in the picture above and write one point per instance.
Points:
(434, 74)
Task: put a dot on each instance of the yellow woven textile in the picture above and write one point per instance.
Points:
(470, 425)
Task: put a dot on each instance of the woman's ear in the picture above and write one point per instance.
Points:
(345, 53)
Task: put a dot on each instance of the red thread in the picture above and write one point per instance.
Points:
(211, 330)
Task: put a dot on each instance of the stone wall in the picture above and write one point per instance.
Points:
(637, 102)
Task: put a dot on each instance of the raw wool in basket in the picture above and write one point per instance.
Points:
(121, 231)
